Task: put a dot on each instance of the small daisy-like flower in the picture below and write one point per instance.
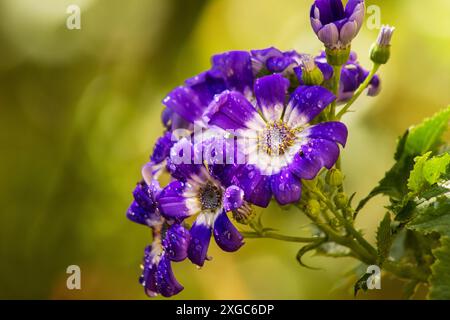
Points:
(335, 26)
(198, 192)
(280, 145)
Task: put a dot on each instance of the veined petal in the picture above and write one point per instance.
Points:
(172, 203)
(286, 187)
(184, 161)
(231, 110)
(333, 131)
(306, 103)
(270, 92)
(162, 148)
(227, 236)
(206, 85)
(200, 238)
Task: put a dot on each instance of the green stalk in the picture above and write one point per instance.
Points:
(359, 91)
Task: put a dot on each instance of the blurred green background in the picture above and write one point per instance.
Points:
(80, 112)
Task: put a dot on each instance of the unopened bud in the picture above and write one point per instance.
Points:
(334, 177)
(311, 74)
(341, 200)
(313, 207)
(381, 49)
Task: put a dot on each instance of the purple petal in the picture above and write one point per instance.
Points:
(172, 203)
(232, 110)
(329, 35)
(348, 32)
(325, 151)
(286, 187)
(256, 186)
(148, 277)
(176, 242)
(185, 101)
(227, 236)
(233, 198)
(162, 148)
(374, 87)
(200, 238)
(235, 67)
(166, 283)
(270, 92)
(333, 131)
(184, 162)
(351, 6)
(304, 166)
(306, 103)
(330, 10)
(206, 86)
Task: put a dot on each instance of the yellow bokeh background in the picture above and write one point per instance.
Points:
(80, 112)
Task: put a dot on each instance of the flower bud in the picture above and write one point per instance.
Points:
(311, 74)
(313, 207)
(334, 177)
(335, 25)
(381, 49)
(341, 200)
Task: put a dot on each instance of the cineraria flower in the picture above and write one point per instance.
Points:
(352, 75)
(280, 144)
(170, 241)
(335, 26)
(198, 192)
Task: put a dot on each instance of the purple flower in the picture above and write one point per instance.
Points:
(271, 60)
(352, 75)
(280, 145)
(157, 275)
(198, 192)
(335, 26)
(170, 241)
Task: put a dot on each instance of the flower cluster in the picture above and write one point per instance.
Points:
(261, 111)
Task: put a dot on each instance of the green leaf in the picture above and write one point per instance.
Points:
(418, 140)
(427, 172)
(427, 135)
(384, 238)
(433, 217)
(440, 272)
(416, 179)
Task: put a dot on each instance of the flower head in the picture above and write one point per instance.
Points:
(198, 192)
(335, 25)
(281, 146)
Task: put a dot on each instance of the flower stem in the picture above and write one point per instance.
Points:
(335, 89)
(277, 236)
(359, 91)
